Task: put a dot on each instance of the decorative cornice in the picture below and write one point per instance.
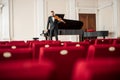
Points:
(105, 5)
(83, 8)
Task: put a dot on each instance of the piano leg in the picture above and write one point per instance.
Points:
(81, 38)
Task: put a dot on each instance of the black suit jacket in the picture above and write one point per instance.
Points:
(52, 23)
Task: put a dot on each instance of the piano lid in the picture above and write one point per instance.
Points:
(70, 24)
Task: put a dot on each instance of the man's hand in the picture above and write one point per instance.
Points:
(46, 30)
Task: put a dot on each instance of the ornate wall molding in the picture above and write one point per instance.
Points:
(105, 5)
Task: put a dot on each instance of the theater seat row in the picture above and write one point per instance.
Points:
(62, 58)
(27, 70)
(106, 51)
(103, 41)
(32, 50)
(98, 69)
(16, 54)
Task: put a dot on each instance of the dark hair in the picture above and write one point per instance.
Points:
(52, 11)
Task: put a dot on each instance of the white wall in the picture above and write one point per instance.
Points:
(0, 18)
(108, 16)
(87, 3)
(23, 19)
(59, 6)
(0, 23)
(29, 17)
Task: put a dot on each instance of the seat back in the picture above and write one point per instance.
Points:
(103, 41)
(27, 70)
(98, 69)
(16, 54)
(106, 51)
(116, 42)
(90, 41)
(36, 47)
(64, 59)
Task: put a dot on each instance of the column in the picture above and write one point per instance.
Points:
(72, 9)
(39, 18)
(5, 21)
(118, 20)
(116, 27)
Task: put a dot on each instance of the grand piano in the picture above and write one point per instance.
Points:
(71, 27)
(74, 27)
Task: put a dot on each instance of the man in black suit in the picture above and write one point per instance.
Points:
(53, 26)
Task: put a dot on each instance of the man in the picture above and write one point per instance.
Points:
(53, 25)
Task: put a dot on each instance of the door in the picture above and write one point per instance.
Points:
(89, 21)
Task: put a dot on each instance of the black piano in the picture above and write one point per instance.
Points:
(71, 27)
(70, 24)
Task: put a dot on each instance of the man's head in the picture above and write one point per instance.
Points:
(52, 13)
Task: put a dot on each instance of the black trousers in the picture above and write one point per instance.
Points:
(53, 32)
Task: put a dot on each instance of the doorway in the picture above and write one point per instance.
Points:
(89, 21)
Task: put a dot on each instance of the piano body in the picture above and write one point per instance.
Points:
(71, 27)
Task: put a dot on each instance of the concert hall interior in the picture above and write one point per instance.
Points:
(59, 39)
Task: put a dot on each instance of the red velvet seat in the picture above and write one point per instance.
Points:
(36, 47)
(77, 44)
(30, 42)
(62, 42)
(16, 54)
(116, 41)
(91, 41)
(50, 41)
(4, 42)
(27, 70)
(98, 69)
(103, 41)
(17, 42)
(14, 46)
(64, 58)
(103, 51)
